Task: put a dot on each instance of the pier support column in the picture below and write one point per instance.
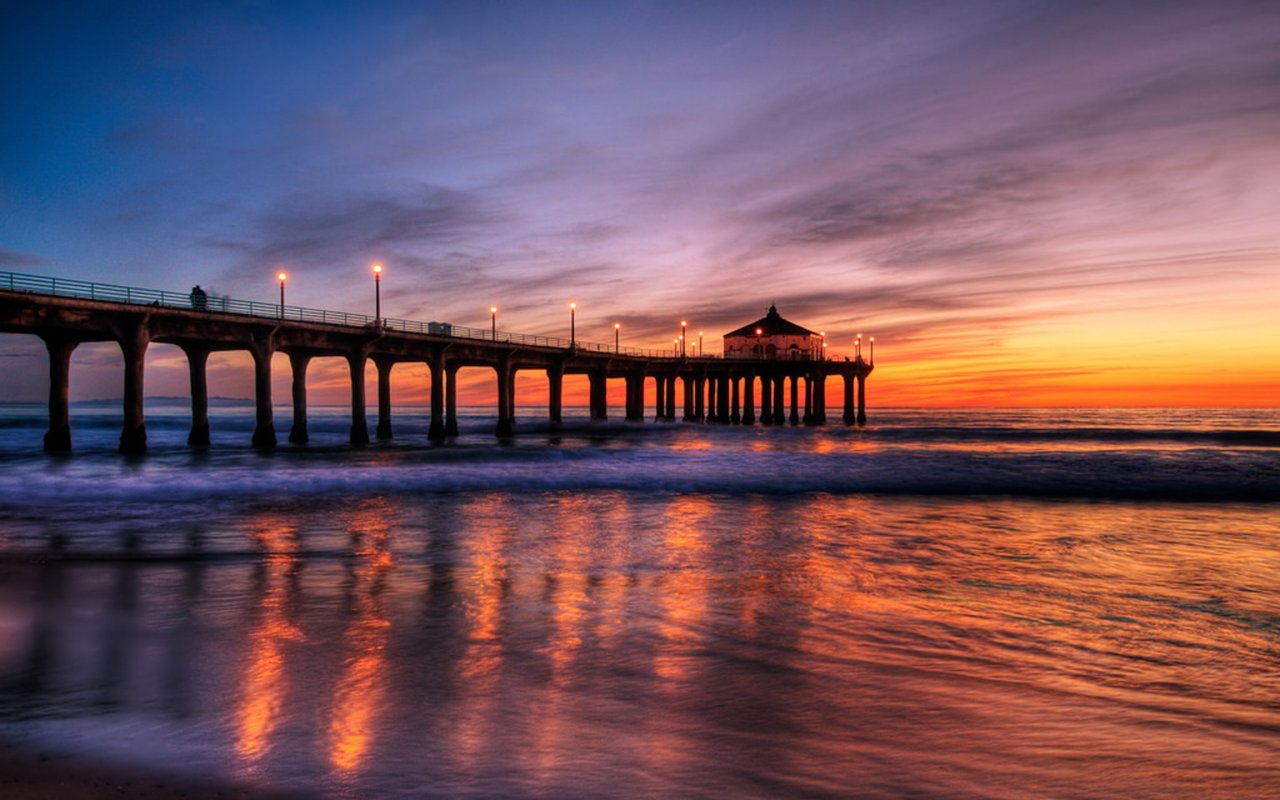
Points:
(671, 398)
(722, 400)
(133, 344)
(749, 399)
(712, 393)
(58, 438)
(700, 398)
(862, 400)
(659, 401)
(850, 413)
(298, 363)
(686, 382)
(555, 385)
(735, 415)
(808, 399)
(511, 395)
(820, 400)
(384, 396)
(451, 400)
(766, 400)
(598, 395)
(505, 428)
(359, 421)
(264, 430)
(779, 407)
(435, 432)
(635, 398)
(794, 418)
(197, 366)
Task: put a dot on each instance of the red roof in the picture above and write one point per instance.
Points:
(772, 324)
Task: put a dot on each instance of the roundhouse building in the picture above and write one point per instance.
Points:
(773, 338)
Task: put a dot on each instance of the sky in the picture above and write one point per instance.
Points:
(1026, 203)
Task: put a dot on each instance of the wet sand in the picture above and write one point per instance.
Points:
(34, 775)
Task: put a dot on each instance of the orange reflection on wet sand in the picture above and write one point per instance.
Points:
(360, 690)
(683, 603)
(265, 680)
(480, 586)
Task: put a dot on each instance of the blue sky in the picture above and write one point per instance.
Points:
(986, 186)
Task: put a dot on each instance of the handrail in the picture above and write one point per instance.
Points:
(65, 287)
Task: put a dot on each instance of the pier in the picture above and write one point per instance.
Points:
(712, 389)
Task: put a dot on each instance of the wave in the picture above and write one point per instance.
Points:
(1188, 475)
(1230, 437)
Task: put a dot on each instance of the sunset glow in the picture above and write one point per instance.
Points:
(1028, 204)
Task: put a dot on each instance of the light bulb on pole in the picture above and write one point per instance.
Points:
(573, 325)
(493, 322)
(873, 350)
(700, 350)
(377, 293)
(617, 328)
(282, 277)
(683, 325)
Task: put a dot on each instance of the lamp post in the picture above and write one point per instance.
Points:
(857, 346)
(377, 293)
(700, 350)
(617, 328)
(573, 325)
(675, 347)
(683, 324)
(823, 343)
(493, 322)
(873, 350)
(283, 277)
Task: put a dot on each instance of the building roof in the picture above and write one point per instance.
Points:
(772, 324)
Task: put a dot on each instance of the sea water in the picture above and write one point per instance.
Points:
(945, 603)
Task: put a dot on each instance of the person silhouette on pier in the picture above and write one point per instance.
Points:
(199, 299)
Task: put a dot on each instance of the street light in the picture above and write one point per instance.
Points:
(700, 350)
(857, 346)
(873, 350)
(493, 320)
(377, 293)
(683, 325)
(617, 327)
(675, 347)
(283, 277)
(573, 325)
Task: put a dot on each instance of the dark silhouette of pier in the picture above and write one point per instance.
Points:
(66, 313)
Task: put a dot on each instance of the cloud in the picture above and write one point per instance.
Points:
(13, 258)
(328, 233)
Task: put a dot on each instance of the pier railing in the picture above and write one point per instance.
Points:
(63, 287)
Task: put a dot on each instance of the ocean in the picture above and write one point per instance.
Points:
(945, 603)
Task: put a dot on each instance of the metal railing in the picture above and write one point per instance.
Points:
(63, 287)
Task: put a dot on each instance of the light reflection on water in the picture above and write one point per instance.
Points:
(619, 644)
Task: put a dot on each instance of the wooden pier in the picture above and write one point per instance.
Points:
(713, 389)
